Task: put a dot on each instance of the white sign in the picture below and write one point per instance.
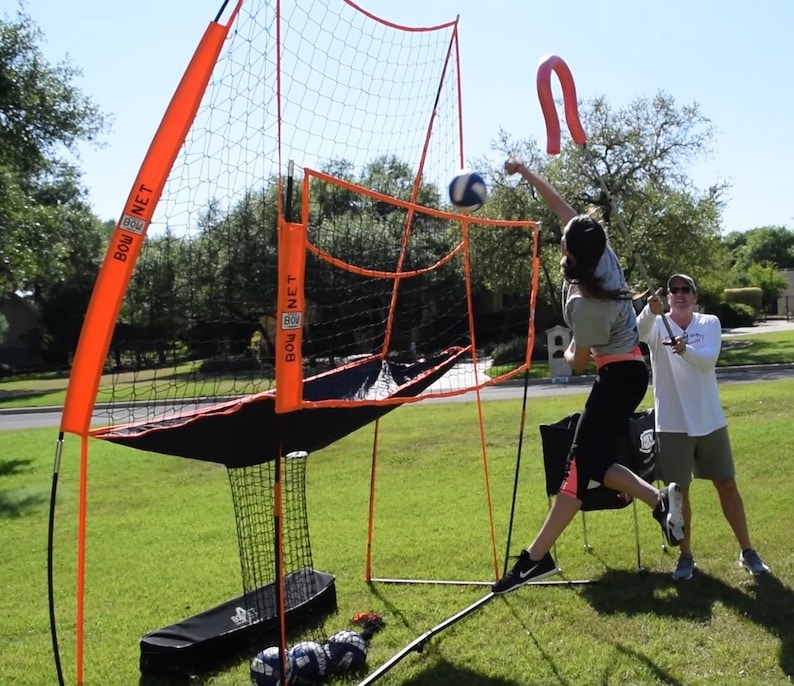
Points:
(132, 224)
(291, 320)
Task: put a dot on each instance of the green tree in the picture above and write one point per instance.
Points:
(642, 152)
(772, 245)
(47, 231)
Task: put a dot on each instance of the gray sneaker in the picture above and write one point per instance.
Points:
(752, 562)
(685, 568)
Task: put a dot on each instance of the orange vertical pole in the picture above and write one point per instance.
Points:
(290, 310)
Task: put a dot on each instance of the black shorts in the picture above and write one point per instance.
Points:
(603, 428)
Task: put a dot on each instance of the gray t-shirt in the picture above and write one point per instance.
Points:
(605, 326)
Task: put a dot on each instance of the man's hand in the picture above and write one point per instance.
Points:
(655, 303)
(677, 345)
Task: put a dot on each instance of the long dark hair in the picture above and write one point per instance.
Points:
(585, 241)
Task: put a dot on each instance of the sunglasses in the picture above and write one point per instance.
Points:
(686, 290)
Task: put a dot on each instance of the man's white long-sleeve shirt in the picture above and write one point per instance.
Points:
(685, 393)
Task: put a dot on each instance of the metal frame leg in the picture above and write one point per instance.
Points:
(585, 545)
(640, 568)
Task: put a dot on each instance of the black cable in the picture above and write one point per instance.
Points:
(518, 466)
(50, 574)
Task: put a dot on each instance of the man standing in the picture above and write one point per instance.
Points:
(691, 426)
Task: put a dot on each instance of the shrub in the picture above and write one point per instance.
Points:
(751, 296)
(514, 350)
(733, 314)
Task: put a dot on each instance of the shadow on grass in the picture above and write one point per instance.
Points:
(202, 677)
(12, 506)
(9, 467)
(446, 674)
(203, 668)
(763, 599)
(391, 609)
(758, 351)
(551, 659)
(12, 503)
(441, 673)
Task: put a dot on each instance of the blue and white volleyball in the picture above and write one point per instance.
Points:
(347, 650)
(266, 668)
(468, 192)
(310, 662)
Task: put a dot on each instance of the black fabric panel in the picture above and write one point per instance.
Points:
(249, 431)
(204, 641)
(640, 457)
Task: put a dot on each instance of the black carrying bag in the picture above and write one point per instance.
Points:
(644, 447)
(639, 456)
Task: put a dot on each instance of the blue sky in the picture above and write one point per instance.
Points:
(734, 59)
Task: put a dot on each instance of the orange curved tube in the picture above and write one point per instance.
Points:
(547, 65)
(128, 236)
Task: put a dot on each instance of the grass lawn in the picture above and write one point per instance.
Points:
(162, 546)
(767, 348)
(164, 383)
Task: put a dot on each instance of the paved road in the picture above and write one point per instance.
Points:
(31, 418)
(770, 326)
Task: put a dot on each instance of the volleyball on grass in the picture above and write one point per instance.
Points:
(467, 191)
(310, 662)
(347, 650)
(266, 668)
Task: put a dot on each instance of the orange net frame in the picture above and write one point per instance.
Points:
(356, 271)
(364, 276)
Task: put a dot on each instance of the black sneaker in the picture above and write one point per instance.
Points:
(670, 513)
(752, 562)
(525, 571)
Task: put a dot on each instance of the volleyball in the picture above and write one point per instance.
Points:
(467, 191)
(347, 650)
(310, 662)
(266, 668)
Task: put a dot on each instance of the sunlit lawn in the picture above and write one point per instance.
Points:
(162, 546)
(148, 384)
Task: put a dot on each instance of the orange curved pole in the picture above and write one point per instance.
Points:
(130, 231)
(116, 271)
(547, 65)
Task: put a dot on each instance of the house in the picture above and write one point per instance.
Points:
(23, 324)
(785, 299)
